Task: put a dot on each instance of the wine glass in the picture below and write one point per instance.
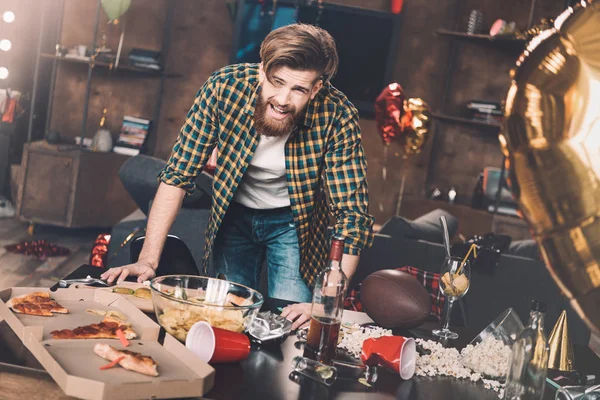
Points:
(455, 279)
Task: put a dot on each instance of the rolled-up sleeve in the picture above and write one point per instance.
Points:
(346, 176)
(196, 140)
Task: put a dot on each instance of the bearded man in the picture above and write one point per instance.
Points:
(289, 152)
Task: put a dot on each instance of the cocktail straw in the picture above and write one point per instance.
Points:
(473, 249)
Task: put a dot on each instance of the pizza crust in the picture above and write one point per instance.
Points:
(36, 303)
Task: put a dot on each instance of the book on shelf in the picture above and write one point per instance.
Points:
(132, 136)
(484, 105)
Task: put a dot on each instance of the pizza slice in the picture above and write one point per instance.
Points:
(107, 329)
(36, 303)
(128, 359)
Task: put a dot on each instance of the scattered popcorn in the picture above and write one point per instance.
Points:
(353, 336)
(447, 361)
(489, 358)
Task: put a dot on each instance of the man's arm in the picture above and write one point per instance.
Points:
(349, 264)
(346, 177)
(165, 207)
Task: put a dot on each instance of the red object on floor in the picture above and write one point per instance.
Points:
(100, 251)
(39, 248)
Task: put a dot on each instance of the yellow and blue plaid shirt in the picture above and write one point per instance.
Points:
(326, 168)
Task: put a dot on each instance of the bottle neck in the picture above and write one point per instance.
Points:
(536, 320)
(336, 251)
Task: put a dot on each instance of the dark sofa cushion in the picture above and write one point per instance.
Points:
(426, 227)
(525, 248)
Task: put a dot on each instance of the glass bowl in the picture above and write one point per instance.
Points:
(182, 300)
(489, 353)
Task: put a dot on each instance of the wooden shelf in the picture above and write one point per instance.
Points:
(123, 67)
(507, 42)
(466, 121)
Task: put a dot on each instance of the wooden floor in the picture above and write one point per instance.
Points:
(18, 270)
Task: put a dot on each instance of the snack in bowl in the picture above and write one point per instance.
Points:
(182, 300)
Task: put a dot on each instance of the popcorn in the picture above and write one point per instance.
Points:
(447, 361)
(353, 336)
(489, 358)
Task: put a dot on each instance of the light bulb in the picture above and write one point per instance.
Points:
(8, 17)
(3, 73)
(5, 45)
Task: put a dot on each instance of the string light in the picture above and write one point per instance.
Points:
(8, 17)
(5, 45)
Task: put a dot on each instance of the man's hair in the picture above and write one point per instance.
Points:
(300, 47)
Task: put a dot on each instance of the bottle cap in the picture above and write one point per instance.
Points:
(538, 306)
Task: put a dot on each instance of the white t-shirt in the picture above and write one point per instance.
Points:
(264, 184)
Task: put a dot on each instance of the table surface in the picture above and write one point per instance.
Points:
(265, 374)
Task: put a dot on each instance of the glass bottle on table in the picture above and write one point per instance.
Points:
(528, 362)
(327, 307)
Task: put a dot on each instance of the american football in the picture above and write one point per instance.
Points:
(395, 300)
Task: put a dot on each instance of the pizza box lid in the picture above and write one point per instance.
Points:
(77, 302)
(75, 368)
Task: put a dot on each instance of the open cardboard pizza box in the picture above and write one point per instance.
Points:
(74, 366)
(144, 304)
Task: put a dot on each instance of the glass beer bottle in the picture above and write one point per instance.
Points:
(327, 307)
(528, 363)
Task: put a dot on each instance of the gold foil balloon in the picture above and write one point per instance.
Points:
(552, 139)
(416, 125)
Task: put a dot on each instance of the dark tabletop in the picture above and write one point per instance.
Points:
(265, 374)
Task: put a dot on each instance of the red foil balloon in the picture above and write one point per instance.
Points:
(100, 251)
(389, 108)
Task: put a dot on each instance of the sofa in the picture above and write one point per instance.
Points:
(514, 282)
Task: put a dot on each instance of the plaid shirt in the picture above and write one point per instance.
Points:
(325, 152)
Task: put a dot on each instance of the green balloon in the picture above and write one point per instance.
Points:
(115, 8)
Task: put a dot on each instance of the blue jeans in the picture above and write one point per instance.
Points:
(247, 237)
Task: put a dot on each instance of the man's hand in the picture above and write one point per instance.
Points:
(299, 314)
(142, 269)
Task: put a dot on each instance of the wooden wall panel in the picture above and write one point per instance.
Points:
(200, 44)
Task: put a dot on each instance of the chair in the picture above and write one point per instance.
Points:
(176, 258)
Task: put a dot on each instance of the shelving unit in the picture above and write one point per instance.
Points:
(98, 65)
(510, 44)
(101, 64)
(489, 126)
(83, 185)
(503, 42)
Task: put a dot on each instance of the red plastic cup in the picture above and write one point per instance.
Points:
(215, 345)
(394, 352)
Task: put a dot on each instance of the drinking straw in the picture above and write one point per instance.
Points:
(473, 249)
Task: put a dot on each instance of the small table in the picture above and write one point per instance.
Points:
(265, 373)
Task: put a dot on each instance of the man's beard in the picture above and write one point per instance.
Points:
(268, 126)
